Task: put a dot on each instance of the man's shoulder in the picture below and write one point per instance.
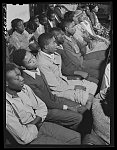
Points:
(42, 59)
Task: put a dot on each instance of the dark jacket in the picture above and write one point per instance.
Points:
(41, 89)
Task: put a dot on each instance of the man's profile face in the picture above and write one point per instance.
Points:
(60, 37)
(30, 61)
(52, 46)
(71, 28)
(15, 80)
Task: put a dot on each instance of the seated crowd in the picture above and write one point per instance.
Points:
(58, 78)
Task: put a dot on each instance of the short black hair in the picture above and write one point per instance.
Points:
(10, 67)
(44, 39)
(18, 56)
(69, 15)
(50, 12)
(65, 23)
(14, 23)
(91, 7)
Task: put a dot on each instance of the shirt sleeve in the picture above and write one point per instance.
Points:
(22, 133)
(57, 84)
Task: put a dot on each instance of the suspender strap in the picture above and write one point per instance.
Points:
(15, 112)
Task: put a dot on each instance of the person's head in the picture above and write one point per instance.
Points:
(82, 17)
(14, 80)
(93, 8)
(47, 43)
(43, 19)
(36, 20)
(51, 6)
(69, 15)
(17, 25)
(51, 15)
(77, 14)
(68, 27)
(58, 34)
(87, 9)
(25, 59)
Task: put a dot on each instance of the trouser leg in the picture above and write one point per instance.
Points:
(100, 55)
(93, 63)
(50, 133)
(93, 72)
(65, 118)
(92, 79)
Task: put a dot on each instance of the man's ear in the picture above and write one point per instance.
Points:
(46, 47)
(66, 28)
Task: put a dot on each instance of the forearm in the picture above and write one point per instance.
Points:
(37, 120)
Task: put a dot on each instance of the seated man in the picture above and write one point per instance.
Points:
(86, 36)
(49, 62)
(25, 115)
(70, 34)
(69, 66)
(90, 66)
(21, 38)
(60, 110)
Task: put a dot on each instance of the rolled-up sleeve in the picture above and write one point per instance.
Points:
(23, 134)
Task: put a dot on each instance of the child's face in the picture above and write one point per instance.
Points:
(20, 26)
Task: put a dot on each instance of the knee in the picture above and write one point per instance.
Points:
(78, 118)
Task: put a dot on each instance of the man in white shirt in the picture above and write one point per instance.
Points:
(25, 114)
(49, 62)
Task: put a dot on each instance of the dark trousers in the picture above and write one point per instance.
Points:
(65, 118)
(50, 133)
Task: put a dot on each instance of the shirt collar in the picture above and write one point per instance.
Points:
(51, 56)
(14, 96)
(60, 47)
(33, 73)
(16, 33)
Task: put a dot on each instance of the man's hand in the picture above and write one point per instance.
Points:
(80, 87)
(81, 109)
(78, 108)
(36, 121)
(89, 101)
(72, 108)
